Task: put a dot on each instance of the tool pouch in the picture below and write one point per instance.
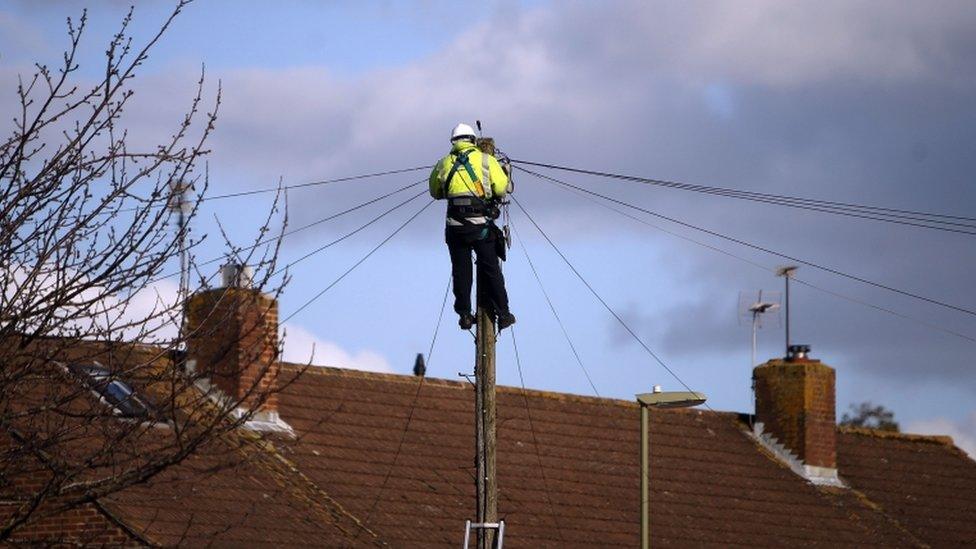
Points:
(501, 250)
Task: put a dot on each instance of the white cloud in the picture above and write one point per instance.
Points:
(302, 345)
(148, 314)
(963, 432)
(147, 304)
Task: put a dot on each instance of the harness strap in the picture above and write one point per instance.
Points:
(461, 160)
(467, 221)
(486, 177)
(473, 209)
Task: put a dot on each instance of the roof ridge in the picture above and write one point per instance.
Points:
(878, 508)
(121, 524)
(350, 372)
(944, 440)
(269, 449)
(405, 378)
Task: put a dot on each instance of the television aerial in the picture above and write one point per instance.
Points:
(754, 308)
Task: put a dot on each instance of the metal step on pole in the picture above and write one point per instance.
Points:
(499, 526)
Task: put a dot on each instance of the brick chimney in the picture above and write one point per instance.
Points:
(233, 341)
(795, 413)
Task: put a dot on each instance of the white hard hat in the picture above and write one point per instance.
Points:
(462, 130)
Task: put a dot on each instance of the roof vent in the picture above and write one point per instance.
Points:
(235, 275)
(419, 367)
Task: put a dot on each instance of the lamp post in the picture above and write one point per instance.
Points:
(657, 399)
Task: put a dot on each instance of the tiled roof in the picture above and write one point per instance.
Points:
(236, 491)
(388, 460)
(571, 479)
(924, 484)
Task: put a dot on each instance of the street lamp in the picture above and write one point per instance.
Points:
(657, 399)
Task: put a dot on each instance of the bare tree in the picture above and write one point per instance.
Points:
(870, 416)
(94, 395)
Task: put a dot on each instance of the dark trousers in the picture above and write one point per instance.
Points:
(491, 283)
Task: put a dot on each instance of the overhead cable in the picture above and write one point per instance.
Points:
(599, 298)
(308, 302)
(691, 187)
(762, 248)
(313, 183)
(413, 407)
(760, 265)
(351, 233)
(555, 314)
(289, 187)
(305, 227)
(535, 439)
(934, 221)
(440, 317)
(885, 310)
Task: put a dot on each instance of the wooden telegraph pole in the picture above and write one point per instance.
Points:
(487, 487)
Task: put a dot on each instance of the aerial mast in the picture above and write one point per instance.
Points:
(787, 273)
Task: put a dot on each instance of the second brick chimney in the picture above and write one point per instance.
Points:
(795, 413)
(232, 340)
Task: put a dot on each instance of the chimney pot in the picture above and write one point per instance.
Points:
(798, 352)
(235, 275)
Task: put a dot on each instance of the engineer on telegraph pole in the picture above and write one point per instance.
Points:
(473, 183)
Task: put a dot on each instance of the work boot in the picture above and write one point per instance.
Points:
(466, 321)
(505, 320)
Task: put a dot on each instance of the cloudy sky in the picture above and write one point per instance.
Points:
(862, 102)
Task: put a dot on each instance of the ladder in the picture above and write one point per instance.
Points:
(500, 526)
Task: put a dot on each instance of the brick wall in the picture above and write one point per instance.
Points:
(80, 524)
(795, 401)
(233, 337)
(83, 525)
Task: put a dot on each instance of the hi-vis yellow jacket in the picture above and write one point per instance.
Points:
(484, 166)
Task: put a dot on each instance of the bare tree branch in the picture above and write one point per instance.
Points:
(87, 229)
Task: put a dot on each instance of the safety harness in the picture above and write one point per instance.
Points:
(460, 208)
